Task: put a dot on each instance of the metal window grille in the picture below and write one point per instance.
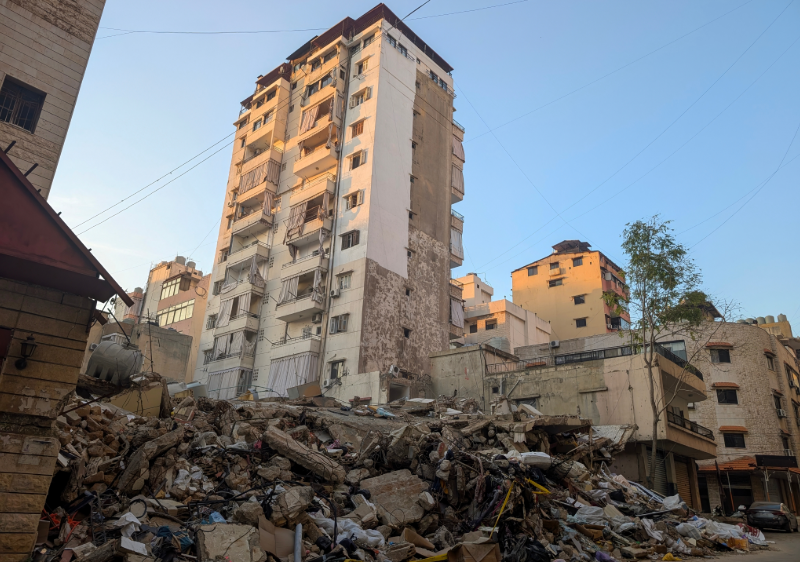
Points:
(20, 106)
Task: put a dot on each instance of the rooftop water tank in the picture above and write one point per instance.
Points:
(761, 320)
(749, 320)
(770, 319)
(138, 290)
(191, 265)
(114, 363)
(782, 318)
(181, 260)
(741, 321)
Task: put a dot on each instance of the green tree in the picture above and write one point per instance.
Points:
(663, 298)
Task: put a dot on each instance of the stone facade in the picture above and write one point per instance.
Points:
(45, 45)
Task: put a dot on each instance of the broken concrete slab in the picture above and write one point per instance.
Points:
(229, 542)
(396, 495)
(314, 461)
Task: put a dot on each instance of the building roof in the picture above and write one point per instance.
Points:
(733, 429)
(570, 247)
(37, 247)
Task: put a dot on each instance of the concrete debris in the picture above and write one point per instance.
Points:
(303, 479)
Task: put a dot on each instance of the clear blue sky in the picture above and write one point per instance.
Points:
(151, 101)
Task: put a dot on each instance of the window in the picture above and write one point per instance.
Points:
(473, 328)
(211, 321)
(341, 74)
(217, 287)
(491, 324)
(326, 80)
(294, 84)
(417, 84)
(339, 323)
(345, 280)
(411, 215)
(734, 440)
(777, 400)
(410, 254)
(555, 282)
(170, 288)
(402, 49)
(357, 129)
(257, 125)
(207, 355)
(785, 441)
(349, 239)
(770, 362)
(406, 333)
(580, 299)
(337, 369)
(580, 322)
(360, 97)
(408, 292)
(315, 65)
(534, 270)
(271, 95)
(242, 124)
(392, 41)
(368, 40)
(577, 261)
(358, 159)
(362, 66)
(354, 200)
(727, 396)
(176, 313)
(676, 347)
(495, 390)
(355, 49)
(554, 265)
(329, 56)
(291, 108)
(720, 356)
(413, 145)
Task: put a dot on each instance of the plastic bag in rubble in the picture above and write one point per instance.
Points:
(674, 502)
(349, 529)
(323, 522)
(650, 529)
(724, 531)
(591, 515)
(183, 478)
(687, 530)
(620, 524)
(755, 536)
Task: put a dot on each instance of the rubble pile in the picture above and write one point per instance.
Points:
(417, 479)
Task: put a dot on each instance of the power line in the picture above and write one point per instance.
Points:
(763, 185)
(263, 31)
(665, 45)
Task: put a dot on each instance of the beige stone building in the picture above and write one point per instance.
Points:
(501, 323)
(566, 289)
(44, 49)
(337, 239)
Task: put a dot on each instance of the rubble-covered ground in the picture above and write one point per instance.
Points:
(421, 479)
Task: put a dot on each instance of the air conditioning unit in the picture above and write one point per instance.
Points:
(781, 413)
(609, 326)
(394, 370)
(335, 293)
(231, 203)
(317, 318)
(327, 383)
(555, 343)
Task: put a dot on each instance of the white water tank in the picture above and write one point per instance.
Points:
(761, 320)
(180, 259)
(114, 363)
(191, 265)
(749, 320)
(770, 319)
(782, 318)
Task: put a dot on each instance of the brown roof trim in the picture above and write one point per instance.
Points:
(777, 392)
(724, 385)
(74, 282)
(769, 352)
(719, 344)
(732, 429)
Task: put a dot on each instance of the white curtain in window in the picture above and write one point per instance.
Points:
(292, 251)
(273, 171)
(224, 317)
(221, 346)
(236, 343)
(255, 276)
(292, 371)
(316, 292)
(269, 202)
(244, 304)
(222, 385)
(458, 179)
(294, 227)
(458, 149)
(456, 313)
(248, 347)
(308, 119)
(288, 290)
(455, 243)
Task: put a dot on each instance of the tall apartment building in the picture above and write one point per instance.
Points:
(566, 288)
(337, 239)
(44, 49)
(501, 323)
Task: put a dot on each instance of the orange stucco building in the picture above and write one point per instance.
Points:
(566, 288)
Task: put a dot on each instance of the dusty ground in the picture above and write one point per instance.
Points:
(787, 547)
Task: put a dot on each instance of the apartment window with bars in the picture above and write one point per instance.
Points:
(211, 322)
(217, 286)
(271, 95)
(534, 270)
(207, 354)
(580, 322)
(555, 282)
(350, 239)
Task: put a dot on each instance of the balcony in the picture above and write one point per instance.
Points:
(455, 332)
(456, 289)
(265, 155)
(252, 223)
(247, 321)
(457, 220)
(680, 421)
(306, 263)
(315, 219)
(261, 137)
(456, 256)
(302, 307)
(286, 347)
(247, 251)
(225, 362)
(313, 189)
(456, 185)
(458, 130)
(315, 160)
(680, 362)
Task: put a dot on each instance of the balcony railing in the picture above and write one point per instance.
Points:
(456, 283)
(304, 258)
(679, 361)
(457, 215)
(308, 185)
(294, 299)
(286, 340)
(690, 425)
(232, 255)
(242, 353)
(459, 126)
(245, 315)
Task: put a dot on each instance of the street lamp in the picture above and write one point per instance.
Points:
(27, 348)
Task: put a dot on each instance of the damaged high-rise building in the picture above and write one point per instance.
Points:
(337, 238)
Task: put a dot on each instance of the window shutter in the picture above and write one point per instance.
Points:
(368, 93)
(356, 234)
(363, 157)
(333, 325)
(352, 101)
(360, 197)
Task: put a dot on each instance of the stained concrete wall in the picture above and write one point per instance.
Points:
(45, 44)
(461, 372)
(30, 400)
